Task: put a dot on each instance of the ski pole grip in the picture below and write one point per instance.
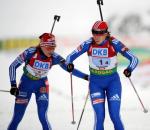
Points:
(100, 2)
(56, 17)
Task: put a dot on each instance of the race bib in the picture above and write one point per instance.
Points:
(101, 62)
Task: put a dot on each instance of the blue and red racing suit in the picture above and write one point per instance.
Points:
(104, 79)
(34, 80)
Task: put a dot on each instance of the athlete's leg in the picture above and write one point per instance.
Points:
(21, 103)
(113, 93)
(42, 100)
(98, 102)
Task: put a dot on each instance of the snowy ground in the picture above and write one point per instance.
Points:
(59, 112)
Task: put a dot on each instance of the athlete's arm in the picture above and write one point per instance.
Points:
(79, 51)
(123, 50)
(17, 62)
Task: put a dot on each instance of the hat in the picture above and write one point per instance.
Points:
(47, 39)
(100, 27)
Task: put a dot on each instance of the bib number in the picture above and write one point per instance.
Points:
(101, 62)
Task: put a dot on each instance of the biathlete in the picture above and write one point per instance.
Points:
(104, 80)
(38, 61)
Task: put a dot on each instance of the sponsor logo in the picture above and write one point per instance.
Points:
(41, 65)
(22, 94)
(100, 52)
(43, 97)
(96, 101)
(103, 72)
(21, 101)
(97, 94)
(114, 98)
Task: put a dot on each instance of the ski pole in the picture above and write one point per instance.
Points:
(4, 91)
(83, 110)
(56, 18)
(73, 121)
(100, 2)
(144, 109)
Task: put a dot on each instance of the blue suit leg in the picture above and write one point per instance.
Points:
(98, 102)
(42, 100)
(19, 110)
(113, 93)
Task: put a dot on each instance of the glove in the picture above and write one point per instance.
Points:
(70, 67)
(86, 77)
(14, 90)
(127, 73)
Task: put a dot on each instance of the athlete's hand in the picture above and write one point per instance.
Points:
(127, 73)
(70, 67)
(14, 90)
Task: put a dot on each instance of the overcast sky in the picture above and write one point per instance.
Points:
(24, 18)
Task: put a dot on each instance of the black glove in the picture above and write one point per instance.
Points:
(86, 77)
(127, 73)
(70, 67)
(14, 90)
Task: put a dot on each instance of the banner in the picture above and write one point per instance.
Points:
(10, 44)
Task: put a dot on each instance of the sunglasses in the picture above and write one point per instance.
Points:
(99, 32)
